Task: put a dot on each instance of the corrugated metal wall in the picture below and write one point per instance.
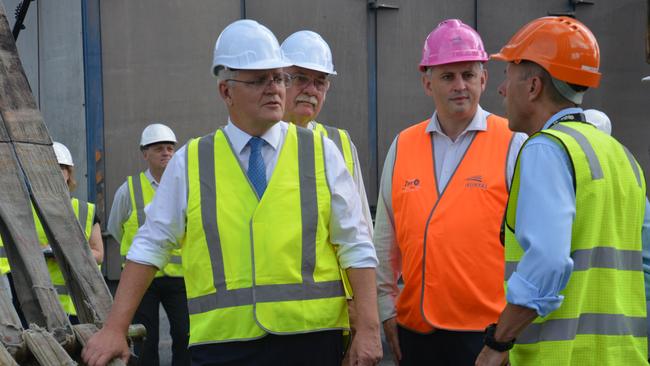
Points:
(156, 58)
(50, 48)
(156, 65)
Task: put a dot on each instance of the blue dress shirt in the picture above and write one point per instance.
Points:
(543, 226)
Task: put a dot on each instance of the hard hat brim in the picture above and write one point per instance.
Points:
(159, 142)
(315, 67)
(500, 57)
(260, 65)
(422, 67)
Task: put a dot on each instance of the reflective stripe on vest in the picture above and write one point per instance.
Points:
(602, 317)
(248, 304)
(141, 194)
(342, 140)
(343, 143)
(85, 213)
(452, 259)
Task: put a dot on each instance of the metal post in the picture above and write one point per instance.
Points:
(94, 99)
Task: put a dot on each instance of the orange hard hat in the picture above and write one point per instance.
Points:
(563, 46)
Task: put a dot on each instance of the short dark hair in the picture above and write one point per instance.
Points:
(533, 69)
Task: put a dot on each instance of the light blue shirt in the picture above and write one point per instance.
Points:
(543, 226)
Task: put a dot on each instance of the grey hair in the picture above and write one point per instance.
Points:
(226, 73)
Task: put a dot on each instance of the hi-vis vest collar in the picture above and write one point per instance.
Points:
(308, 289)
(602, 319)
(139, 199)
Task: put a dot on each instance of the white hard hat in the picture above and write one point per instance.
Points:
(309, 50)
(63, 156)
(157, 132)
(247, 45)
(599, 119)
(646, 79)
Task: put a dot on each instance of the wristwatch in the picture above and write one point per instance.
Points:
(493, 343)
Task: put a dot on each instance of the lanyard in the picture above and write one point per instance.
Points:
(572, 117)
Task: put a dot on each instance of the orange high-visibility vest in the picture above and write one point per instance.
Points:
(452, 258)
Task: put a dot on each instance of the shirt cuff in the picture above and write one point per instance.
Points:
(386, 307)
(147, 257)
(361, 255)
(523, 293)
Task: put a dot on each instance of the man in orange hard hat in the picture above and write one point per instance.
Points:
(443, 194)
(575, 284)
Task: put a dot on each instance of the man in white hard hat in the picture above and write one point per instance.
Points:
(264, 231)
(312, 67)
(167, 288)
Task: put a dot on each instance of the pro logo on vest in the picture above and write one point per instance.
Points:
(411, 185)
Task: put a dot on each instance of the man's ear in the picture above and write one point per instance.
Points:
(224, 91)
(535, 87)
(426, 84)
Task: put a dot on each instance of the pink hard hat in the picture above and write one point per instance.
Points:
(452, 41)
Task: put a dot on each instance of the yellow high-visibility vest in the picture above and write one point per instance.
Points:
(85, 213)
(602, 320)
(255, 266)
(342, 140)
(141, 193)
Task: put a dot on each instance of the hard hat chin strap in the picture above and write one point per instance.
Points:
(567, 91)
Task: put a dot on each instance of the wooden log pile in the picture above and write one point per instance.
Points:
(31, 177)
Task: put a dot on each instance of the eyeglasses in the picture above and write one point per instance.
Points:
(282, 80)
(302, 81)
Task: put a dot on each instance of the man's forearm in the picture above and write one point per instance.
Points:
(134, 281)
(513, 320)
(365, 298)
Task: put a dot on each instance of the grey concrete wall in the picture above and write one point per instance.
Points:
(51, 51)
(400, 37)
(620, 28)
(157, 55)
(156, 60)
(61, 86)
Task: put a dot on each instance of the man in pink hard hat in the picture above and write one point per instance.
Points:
(443, 194)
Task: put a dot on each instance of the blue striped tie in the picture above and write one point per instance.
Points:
(256, 169)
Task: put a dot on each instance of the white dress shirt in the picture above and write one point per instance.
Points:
(122, 207)
(447, 154)
(164, 228)
(358, 182)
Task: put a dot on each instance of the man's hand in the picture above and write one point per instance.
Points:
(490, 357)
(366, 343)
(390, 330)
(365, 349)
(110, 341)
(104, 346)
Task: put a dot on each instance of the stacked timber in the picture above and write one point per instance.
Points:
(31, 178)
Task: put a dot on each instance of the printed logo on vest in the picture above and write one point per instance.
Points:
(411, 185)
(475, 181)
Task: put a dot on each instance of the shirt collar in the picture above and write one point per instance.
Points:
(478, 123)
(564, 112)
(152, 180)
(239, 138)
